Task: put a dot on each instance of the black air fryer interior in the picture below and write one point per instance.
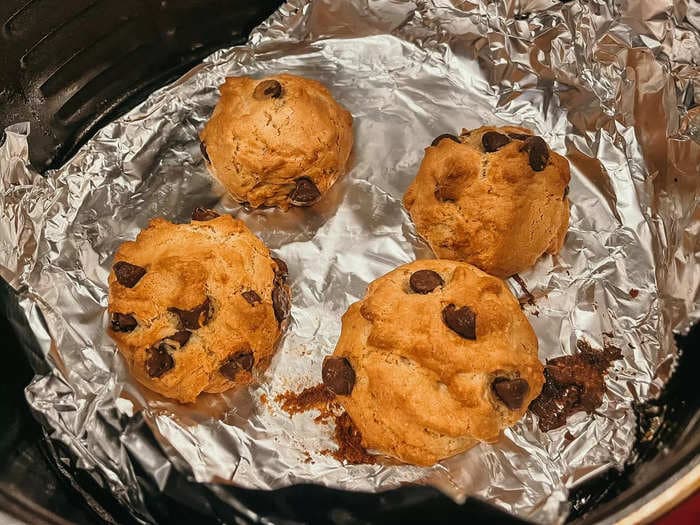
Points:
(69, 67)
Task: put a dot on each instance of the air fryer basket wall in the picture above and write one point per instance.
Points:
(70, 67)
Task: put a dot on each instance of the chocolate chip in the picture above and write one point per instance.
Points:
(195, 318)
(159, 361)
(338, 375)
(242, 360)
(519, 136)
(267, 89)
(180, 337)
(203, 149)
(128, 274)
(537, 151)
(493, 141)
(251, 297)
(204, 214)
(425, 281)
(281, 271)
(281, 303)
(460, 320)
(437, 139)
(123, 322)
(511, 391)
(305, 194)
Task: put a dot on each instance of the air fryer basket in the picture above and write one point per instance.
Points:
(68, 68)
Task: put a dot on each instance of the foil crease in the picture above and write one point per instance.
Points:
(611, 85)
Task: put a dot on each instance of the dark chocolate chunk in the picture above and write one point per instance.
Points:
(425, 281)
(123, 322)
(538, 153)
(159, 361)
(338, 375)
(195, 318)
(180, 337)
(204, 214)
(252, 297)
(305, 194)
(267, 89)
(281, 303)
(511, 391)
(460, 320)
(281, 271)
(493, 141)
(203, 149)
(128, 274)
(242, 360)
(437, 139)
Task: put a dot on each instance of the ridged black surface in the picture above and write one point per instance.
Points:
(68, 67)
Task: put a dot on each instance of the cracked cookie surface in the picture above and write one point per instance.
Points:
(437, 357)
(197, 307)
(493, 197)
(280, 141)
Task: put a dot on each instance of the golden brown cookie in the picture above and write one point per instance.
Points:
(197, 307)
(278, 141)
(437, 357)
(493, 197)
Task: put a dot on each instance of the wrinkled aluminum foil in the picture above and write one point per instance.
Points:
(610, 85)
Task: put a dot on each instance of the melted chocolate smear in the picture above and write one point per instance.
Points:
(538, 152)
(180, 337)
(493, 141)
(242, 360)
(573, 383)
(195, 318)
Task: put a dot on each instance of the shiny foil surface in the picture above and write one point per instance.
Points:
(610, 85)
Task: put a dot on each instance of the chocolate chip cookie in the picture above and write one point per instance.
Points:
(437, 357)
(197, 307)
(279, 141)
(493, 197)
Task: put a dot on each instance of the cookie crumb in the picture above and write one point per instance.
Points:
(349, 440)
(263, 399)
(317, 397)
(634, 293)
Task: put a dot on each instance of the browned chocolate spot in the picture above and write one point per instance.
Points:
(128, 274)
(281, 271)
(425, 281)
(338, 375)
(252, 297)
(305, 193)
(267, 89)
(493, 141)
(573, 383)
(511, 391)
(281, 303)
(194, 318)
(123, 322)
(159, 361)
(180, 337)
(449, 136)
(538, 153)
(460, 320)
(242, 360)
(204, 214)
(203, 149)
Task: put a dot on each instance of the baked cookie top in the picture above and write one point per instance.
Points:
(493, 197)
(436, 357)
(278, 141)
(196, 307)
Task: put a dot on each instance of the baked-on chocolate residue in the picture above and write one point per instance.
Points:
(573, 383)
(523, 286)
(349, 441)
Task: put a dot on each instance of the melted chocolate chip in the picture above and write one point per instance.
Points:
(128, 274)
(242, 360)
(519, 136)
(123, 322)
(538, 153)
(204, 214)
(425, 281)
(449, 136)
(180, 337)
(511, 391)
(195, 318)
(159, 361)
(252, 297)
(267, 89)
(305, 194)
(281, 271)
(493, 141)
(281, 303)
(203, 149)
(460, 320)
(338, 375)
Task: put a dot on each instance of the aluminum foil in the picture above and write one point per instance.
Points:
(610, 85)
